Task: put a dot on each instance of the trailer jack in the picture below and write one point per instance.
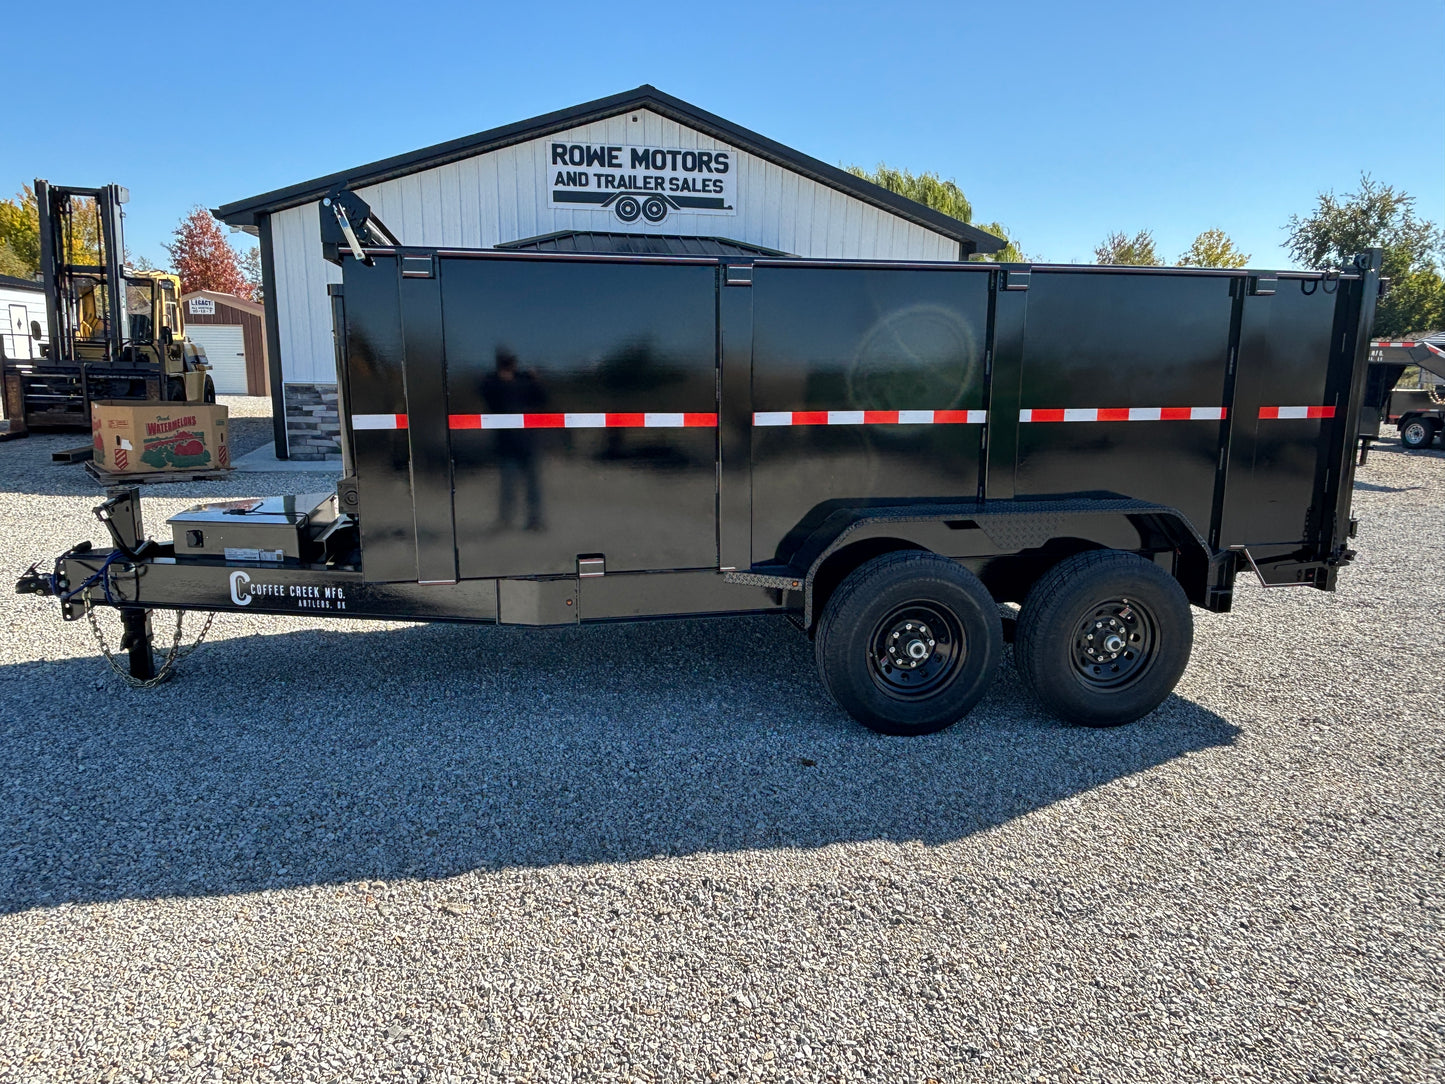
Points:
(136, 641)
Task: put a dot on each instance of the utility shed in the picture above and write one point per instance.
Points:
(640, 171)
(232, 331)
(23, 304)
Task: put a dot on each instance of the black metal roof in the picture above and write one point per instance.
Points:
(638, 244)
(243, 212)
(21, 284)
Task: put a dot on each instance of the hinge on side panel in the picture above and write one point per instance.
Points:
(1015, 280)
(739, 274)
(1263, 285)
(1244, 551)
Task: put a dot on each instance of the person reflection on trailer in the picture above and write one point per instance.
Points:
(513, 390)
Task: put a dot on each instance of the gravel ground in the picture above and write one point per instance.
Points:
(376, 851)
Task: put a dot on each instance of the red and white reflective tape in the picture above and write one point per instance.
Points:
(378, 421)
(1125, 414)
(548, 421)
(689, 420)
(583, 421)
(1378, 343)
(870, 417)
(1284, 413)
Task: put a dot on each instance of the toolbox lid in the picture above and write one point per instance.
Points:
(292, 510)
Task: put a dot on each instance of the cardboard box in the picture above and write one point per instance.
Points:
(132, 437)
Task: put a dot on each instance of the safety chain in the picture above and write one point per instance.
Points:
(173, 656)
(1433, 390)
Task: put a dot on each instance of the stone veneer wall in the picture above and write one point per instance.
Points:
(313, 421)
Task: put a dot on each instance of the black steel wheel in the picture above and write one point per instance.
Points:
(628, 208)
(1417, 433)
(1104, 637)
(1115, 643)
(909, 642)
(654, 208)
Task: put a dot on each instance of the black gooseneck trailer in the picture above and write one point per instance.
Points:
(883, 452)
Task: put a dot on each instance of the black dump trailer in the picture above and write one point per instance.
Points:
(1418, 414)
(882, 452)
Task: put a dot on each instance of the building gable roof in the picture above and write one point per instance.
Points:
(255, 308)
(15, 283)
(244, 212)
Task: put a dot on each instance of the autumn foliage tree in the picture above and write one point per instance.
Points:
(251, 269)
(20, 233)
(204, 259)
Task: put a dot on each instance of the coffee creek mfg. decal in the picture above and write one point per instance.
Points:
(642, 182)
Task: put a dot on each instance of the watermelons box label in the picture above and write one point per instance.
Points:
(142, 438)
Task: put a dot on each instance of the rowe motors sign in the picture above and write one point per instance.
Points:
(642, 182)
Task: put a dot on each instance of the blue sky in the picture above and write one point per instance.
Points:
(1064, 121)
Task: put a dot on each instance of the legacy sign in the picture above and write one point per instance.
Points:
(642, 182)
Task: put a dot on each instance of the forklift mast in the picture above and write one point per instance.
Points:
(63, 264)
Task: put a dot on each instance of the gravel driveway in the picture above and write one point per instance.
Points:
(379, 851)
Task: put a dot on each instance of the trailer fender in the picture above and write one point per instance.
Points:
(1053, 530)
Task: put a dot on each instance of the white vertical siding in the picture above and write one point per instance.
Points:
(303, 311)
(503, 196)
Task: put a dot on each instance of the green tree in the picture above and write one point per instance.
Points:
(1213, 248)
(946, 197)
(1010, 253)
(1136, 251)
(1378, 216)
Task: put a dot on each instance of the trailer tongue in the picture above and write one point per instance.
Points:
(880, 452)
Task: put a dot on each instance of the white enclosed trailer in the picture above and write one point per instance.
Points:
(24, 329)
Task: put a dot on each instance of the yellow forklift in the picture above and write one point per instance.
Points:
(115, 332)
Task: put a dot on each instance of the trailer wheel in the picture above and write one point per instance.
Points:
(628, 208)
(908, 643)
(1103, 638)
(1417, 433)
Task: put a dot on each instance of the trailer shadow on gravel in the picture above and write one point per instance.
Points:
(320, 757)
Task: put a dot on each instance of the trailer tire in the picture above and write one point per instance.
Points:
(908, 643)
(1145, 632)
(1417, 433)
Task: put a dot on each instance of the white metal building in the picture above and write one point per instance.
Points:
(638, 171)
(23, 303)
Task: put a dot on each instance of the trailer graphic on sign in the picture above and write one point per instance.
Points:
(641, 182)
